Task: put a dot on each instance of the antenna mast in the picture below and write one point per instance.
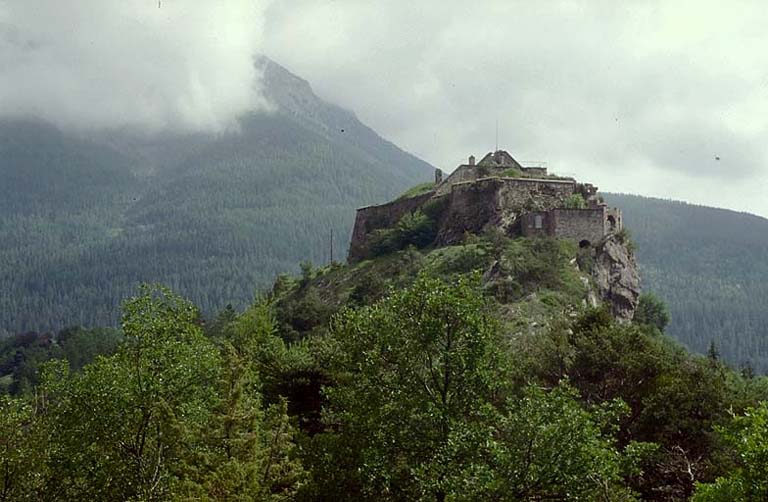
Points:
(497, 135)
(331, 260)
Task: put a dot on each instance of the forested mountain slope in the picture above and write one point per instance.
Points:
(84, 219)
(711, 267)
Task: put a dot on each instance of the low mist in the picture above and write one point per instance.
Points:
(149, 64)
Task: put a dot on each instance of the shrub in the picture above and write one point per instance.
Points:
(652, 311)
(417, 190)
(415, 229)
(575, 201)
(512, 172)
(625, 237)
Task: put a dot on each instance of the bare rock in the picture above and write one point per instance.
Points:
(617, 278)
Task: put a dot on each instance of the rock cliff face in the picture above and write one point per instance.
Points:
(616, 277)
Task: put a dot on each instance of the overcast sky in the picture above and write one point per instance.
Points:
(638, 97)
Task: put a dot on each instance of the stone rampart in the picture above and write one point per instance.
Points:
(527, 206)
(579, 224)
(386, 215)
(497, 202)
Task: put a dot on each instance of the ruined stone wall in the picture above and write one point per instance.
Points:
(537, 224)
(533, 194)
(497, 202)
(371, 218)
(535, 171)
(459, 175)
(613, 220)
(509, 204)
(579, 224)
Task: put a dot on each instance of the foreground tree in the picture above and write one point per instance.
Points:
(652, 311)
(170, 415)
(418, 368)
(247, 451)
(546, 446)
(119, 427)
(748, 435)
(424, 410)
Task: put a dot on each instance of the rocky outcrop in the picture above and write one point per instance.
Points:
(616, 277)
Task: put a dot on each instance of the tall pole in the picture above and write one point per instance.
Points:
(497, 135)
(331, 246)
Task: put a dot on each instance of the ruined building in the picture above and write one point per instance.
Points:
(501, 194)
(497, 191)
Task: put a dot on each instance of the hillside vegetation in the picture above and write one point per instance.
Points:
(85, 219)
(711, 267)
(409, 376)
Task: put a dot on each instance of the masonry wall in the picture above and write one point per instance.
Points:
(509, 204)
(498, 202)
(579, 224)
(613, 220)
(535, 171)
(461, 174)
(528, 227)
(371, 218)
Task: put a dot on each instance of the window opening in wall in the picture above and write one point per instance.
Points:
(537, 221)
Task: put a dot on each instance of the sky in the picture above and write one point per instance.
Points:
(665, 99)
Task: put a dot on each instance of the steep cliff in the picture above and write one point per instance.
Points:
(616, 277)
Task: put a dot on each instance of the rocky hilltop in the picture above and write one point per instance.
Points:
(499, 194)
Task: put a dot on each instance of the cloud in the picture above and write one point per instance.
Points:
(635, 96)
(154, 65)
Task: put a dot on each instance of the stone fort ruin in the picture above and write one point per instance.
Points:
(495, 192)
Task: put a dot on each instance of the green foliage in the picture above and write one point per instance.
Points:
(22, 355)
(246, 451)
(423, 410)
(413, 229)
(674, 399)
(548, 447)
(458, 259)
(512, 172)
(624, 236)
(748, 436)
(419, 189)
(652, 311)
(22, 450)
(575, 201)
(535, 265)
(149, 396)
(417, 368)
(212, 216)
(710, 266)
(169, 416)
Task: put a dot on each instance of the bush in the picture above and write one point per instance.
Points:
(624, 236)
(512, 172)
(652, 311)
(575, 201)
(417, 190)
(415, 229)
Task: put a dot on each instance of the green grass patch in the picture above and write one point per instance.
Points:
(417, 190)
